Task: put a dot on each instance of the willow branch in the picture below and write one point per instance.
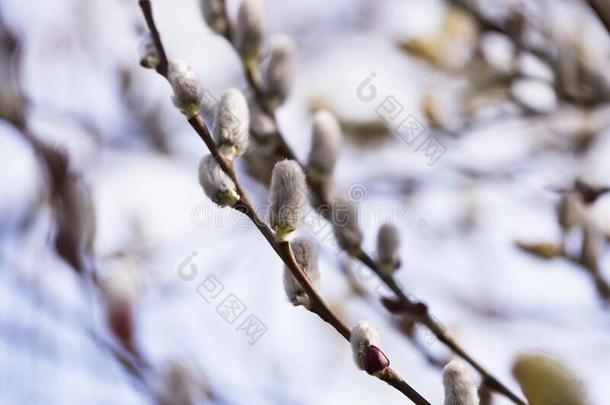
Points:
(284, 251)
(282, 248)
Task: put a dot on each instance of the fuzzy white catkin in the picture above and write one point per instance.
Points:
(214, 15)
(325, 143)
(215, 183)
(460, 389)
(279, 72)
(388, 242)
(149, 56)
(187, 90)
(232, 123)
(288, 196)
(363, 335)
(345, 225)
(307, 257)
(249, 30)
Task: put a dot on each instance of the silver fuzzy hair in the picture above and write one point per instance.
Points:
(187, 90)
(279, 72)
(288, 196)
(345, 225)
(388, 242)
(232, 123)
(214, 15)
(149, 56)
(215, 183)
(460, 389)
(363, 335)
(249, 30)
(307, 257)
(325, 143)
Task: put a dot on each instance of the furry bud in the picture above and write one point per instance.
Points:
(366, 347)
(288, 197)
(345, 225)
(215, 16)
(278, 76)
(216, 184)
(560, 386)
(149, 56)
(570, 211)
(460, 389)
(306, 256)
(187, 90)
(325, 143)
(388, 242)
(232, 123)
(249, 30)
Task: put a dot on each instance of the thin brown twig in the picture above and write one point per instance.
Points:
(282, 248)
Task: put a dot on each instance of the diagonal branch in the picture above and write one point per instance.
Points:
(282, 248)
(417, 309)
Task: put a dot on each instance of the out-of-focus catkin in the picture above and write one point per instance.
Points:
(215, 16)
(187, 90)
(560, 386)
(388, 242)
(279, 72)
(249, 30)
(325, 144)
(344, 217)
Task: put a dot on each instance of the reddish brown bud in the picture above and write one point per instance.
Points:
(375, 360)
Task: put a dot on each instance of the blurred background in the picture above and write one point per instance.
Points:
(479, 128)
